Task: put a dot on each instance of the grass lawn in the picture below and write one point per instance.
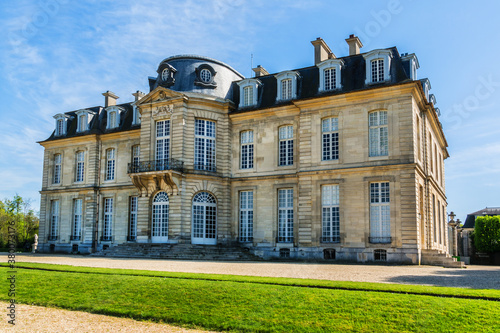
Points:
(255, 304)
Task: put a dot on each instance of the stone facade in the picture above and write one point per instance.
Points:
(263, 162)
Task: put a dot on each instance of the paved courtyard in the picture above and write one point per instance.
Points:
(479, 277)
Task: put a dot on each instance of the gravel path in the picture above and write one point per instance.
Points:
(40, 319)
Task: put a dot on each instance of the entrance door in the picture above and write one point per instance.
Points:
(159, 228)
(204, 227)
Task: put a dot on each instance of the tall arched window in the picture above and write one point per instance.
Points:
(159, 229)
(204, 229)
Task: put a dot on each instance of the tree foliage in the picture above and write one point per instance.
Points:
(25, 221)
(487, 234)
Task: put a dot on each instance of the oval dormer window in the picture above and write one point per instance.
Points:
(165, 74)
(205, 75)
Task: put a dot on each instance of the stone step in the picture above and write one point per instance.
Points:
(438, 258)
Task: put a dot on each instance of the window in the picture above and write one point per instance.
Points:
(204, 145)
(132, 229)
(287, 85)
(330, 214)
(113, 114)
(246, 139)
(330, 74)
(380, 255)
(112, 119)
(419, 139)
(378, 64)
(136, 118)
(330, 133)
(205, 75)
(380, 213)
(285, 215)
(80, 166)
(163, 145)
(246, 216)
(378, 132)
(377, 67)
(60, 127)
(159, 232)
(77, 219)
(286, 145)
(248, 92)
(82, 123)
(136, 153)
(204, 230)
(61, 121)
(434, 218)
(108, 219)
(410, 62)
(57, 168)
(110, 164)
(54, 220)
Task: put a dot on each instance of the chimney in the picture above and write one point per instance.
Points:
(138, 95)
(354, 45)
(321, 51)
(109, 98)
(260, 71)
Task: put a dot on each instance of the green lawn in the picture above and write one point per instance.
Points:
(254, 304)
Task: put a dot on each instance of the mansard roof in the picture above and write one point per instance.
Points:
(470, 221)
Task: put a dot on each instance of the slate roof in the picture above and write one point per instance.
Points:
(470, 221)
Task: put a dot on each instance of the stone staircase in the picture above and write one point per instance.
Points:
(437, 258)
(178, 252)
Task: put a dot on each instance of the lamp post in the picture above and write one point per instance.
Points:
(452, 223)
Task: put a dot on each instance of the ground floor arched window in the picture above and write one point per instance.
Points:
(204, 228)
(159, 228)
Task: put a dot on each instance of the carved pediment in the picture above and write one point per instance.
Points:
(160, 94)
(163, 111)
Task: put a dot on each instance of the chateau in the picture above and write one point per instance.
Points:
(343, 159)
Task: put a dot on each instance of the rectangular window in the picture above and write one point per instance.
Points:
(132, 231)
(330, 78)
(57, 168)
(204, 145)
(110, 164)
(136, 153)
(163, 145)
(80, 166)
(377, 70)
(419, 140)
(112, 119)
(77, 219)
(378, 132)
(434, 217)
(246, 139)
(285, 215)
(54, 220)
(248, 96)
(286, 89)
(380, 213)
(82, 123)
(330, 132)
(286, 145)
(330, 214)
(108, 219)
(60, 127)
(246, 216)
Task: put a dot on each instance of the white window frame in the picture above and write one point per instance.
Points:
(136, 116)
(160, 214)
(107, 224)
(133, 207)
(285, 215)
(378, 133)
(76, 232)
(413, 64)
(83, 119)
(136, 157)
(113, 121)
(205, 145)
(380, 212)
(246, 216)
(330, 213)
(247, 100)
(57, 169)
(330, 146)
(80, 166)
(283, 76)
(54, 219)
(330, 64)
(204, 215)
(110, 163)
(246, 149)
(386, 56)
(162, 144)
(61, 124)
(285, 145)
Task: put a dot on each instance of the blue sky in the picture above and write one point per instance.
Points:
(57, 56)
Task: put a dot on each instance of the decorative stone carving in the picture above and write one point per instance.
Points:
(163, 111)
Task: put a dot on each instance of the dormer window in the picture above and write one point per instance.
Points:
(205, 75)
(83, 120)
(113, 117)
(411, 64)
(287, 86)
(249, 92)
(378, 64)
(136, 117)
(426, 86)
(61, 124)
(167, 73)
(330, 74)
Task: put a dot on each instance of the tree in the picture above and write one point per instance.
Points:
(17, 210)
(487, 234)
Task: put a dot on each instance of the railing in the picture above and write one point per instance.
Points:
(157, 165)
(330, 239)
(284, 239)
(380, 240)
